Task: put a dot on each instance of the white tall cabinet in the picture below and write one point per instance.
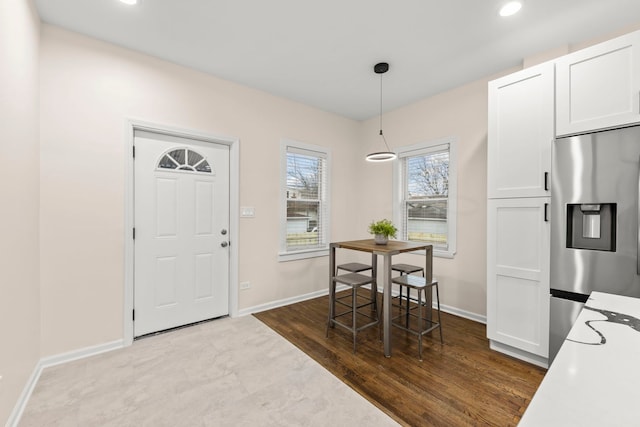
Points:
(520, 134)
(599, 87)
(589, 90)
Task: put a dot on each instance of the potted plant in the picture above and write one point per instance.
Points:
(382, 230)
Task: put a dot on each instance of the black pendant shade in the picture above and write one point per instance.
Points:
(381, 156)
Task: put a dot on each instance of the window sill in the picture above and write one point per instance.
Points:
(310, 253)
(437, 253)
(444, 254)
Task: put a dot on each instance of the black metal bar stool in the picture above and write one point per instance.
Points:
(407, 269)
(424, 325)
(355, 281)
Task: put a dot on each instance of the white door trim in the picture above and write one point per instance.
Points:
(234, 196)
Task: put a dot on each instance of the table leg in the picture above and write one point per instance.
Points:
(386, 312)
(374, 274)
(332, 285)
(428, 273)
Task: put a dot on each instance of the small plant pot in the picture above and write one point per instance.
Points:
(381, 239)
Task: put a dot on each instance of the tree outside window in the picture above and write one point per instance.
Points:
(426, 197)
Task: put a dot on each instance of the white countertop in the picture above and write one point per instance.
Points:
(591, 382)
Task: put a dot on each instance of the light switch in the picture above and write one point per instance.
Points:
(247, 212)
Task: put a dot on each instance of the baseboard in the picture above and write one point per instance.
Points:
(18, 410)
(50, 361)
(519, 354)
(287, 301)
(463, 313)
(70, 356)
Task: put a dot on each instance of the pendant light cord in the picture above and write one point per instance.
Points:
(382, 134)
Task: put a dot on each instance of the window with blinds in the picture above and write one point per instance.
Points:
(305, 198)
(426, 201)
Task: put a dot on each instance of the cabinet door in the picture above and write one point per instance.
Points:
(521, 133)
(518, 273)
(599, 87)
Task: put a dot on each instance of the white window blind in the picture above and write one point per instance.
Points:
(305, 193)
(427, 195)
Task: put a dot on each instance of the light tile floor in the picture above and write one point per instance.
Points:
(228, 372)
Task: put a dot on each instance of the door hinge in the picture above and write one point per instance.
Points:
(133, 314)
(134, 233)
(134, 151)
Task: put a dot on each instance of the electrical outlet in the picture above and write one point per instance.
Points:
(245, 285)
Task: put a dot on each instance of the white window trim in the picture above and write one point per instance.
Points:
(283, 254)
(452, 204)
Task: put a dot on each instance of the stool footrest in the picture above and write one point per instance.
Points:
(349, 328)
(357, 306)
(432, 326)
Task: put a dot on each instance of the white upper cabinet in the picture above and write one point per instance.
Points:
(599, 87)
(520, 133)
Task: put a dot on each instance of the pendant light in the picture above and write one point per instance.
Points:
(381, 156)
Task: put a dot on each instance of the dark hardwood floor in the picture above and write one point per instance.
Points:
(460, 383)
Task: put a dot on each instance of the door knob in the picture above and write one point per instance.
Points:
(224, 244)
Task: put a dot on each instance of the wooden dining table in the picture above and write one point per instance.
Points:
(387, 251)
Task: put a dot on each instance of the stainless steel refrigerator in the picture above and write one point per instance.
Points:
(595, 242)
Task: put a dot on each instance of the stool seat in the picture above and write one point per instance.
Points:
(355, 281)
(424, 325)
(407, 268)
(415, 282)
(353, 267)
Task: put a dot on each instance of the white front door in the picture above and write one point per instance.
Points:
(181, 267)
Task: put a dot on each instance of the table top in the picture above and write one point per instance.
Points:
(392, 247)
(591, 382)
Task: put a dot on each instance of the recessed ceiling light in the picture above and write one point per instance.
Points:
(510, 8)
(131, 2)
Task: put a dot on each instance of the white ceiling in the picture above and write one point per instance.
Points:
(322, 53)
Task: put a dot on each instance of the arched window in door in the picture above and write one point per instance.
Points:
(184, 159)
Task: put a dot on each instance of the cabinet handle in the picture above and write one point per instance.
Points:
(546, 214)
(546, 181)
